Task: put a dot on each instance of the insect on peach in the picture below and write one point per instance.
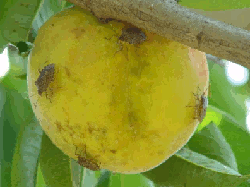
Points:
(87, 161)
(132, 36)
(201, 107)
(45, 78)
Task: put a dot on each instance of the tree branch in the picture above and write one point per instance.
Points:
(215, 60)
(168, 19)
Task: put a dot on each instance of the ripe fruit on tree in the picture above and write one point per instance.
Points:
(113, 96)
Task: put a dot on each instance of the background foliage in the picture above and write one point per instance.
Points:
(217, 154)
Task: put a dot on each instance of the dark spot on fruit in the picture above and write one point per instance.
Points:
(160, 152)
(137, 69)
(113, 99)
(52, 25)
(133, 36)
(90, 129)
(58, 125)
(45, 78)
(104, 131)
(64, 139)
(78, 31)
(71, 128)
(132, 118)
(67, 120)
(67, 71)
(113, 151)
(88, 163)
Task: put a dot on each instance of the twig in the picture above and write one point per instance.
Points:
(168, 19)
(215, 60)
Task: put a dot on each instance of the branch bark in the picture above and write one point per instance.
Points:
(168, 19)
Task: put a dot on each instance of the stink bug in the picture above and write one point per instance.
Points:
(88, 163)
(201, 107)
(45, 78)
(86, 160)
(132, 36)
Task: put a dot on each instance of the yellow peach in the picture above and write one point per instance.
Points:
(113, 96)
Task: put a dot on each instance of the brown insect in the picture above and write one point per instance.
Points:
(133, 36)
(88, 163)
(45, 78)
(201, 107)
(105, 20)
(86, 160)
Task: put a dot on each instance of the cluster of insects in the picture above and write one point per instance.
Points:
(45, 78)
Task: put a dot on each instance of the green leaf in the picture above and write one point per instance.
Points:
(104, 179)
(40, 180)
(212, 5)
(211, 143)
(245, 184)
(18, 108)
(82, 176)
(55, 165)
(129, 180)
(239, 139)
(47, 9)
(192, 169)
(15, 83)
(76, 173)
(66, 4)
(7, 141)
(16, 111)
(18, 63)
(25, 160)
(18, 66)
(224, 96)
(211, 116)
(89, 178)
(3, 42)
(16, 20)
(237, 136)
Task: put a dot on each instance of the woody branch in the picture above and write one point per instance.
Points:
(168, 19)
